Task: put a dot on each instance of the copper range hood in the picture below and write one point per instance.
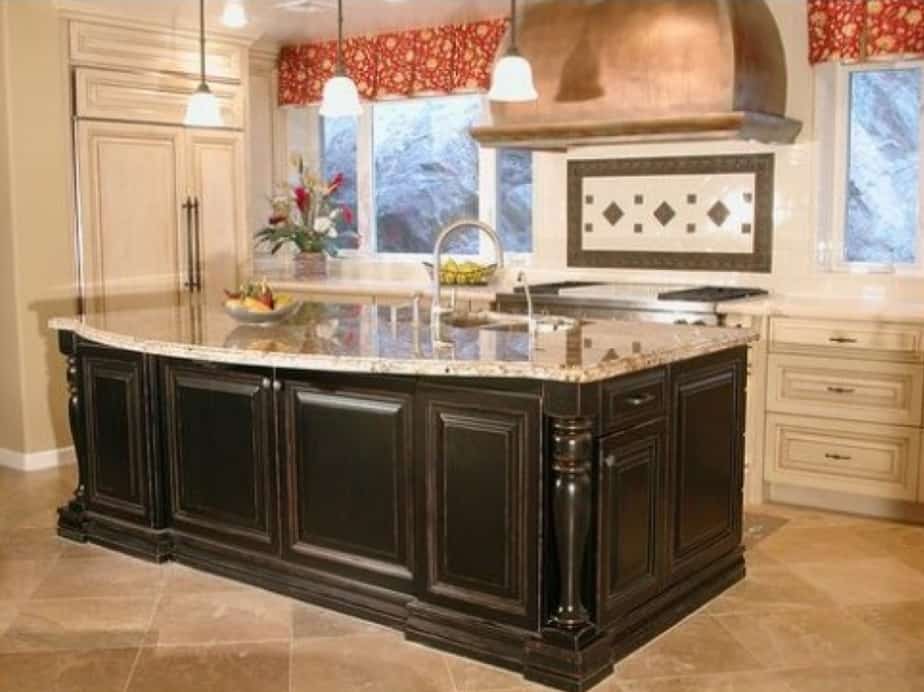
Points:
(621, 71)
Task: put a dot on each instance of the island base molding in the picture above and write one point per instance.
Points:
(545, 527)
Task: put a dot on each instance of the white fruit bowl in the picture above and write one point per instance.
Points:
(246, 316)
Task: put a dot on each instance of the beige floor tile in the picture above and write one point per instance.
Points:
(858, 582)
(897, 538)
(914, 559)
(371, 663)
(310, 621)
(471, 676)
(903, 622)
(69, 671)
(220, 668)
(735, 682)
(903, 676)
(30, 544)
(806, 517)
(108, 576)
(20, 578)
(815, 637)
(819, 544)
(222, 616)
(8, 610)
(181, 579)
(769, 589)
(78, 624)
(697, 646)
(755, 557)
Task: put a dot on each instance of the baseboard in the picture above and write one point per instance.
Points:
(37, 461)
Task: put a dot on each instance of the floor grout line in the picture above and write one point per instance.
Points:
(147, 631)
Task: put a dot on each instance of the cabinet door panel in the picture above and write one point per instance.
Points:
(220, 436)
(707, 460)
(216, 167)
(631, 481)
(131, 185)
(480, 463)
(116, 438)
(348, 467)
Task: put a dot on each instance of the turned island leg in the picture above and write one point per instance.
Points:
(572, 454)
(70, 517)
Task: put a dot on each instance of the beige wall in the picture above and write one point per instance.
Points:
(36, 241)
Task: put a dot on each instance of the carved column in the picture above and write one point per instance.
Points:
(70, 517)
(572, 455)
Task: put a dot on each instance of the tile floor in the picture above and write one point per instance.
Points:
(832, 603)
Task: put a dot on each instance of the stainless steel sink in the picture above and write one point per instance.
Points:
(503, 321)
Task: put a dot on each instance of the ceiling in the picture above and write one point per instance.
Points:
(310, 19)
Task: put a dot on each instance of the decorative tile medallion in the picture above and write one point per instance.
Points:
(712, 213)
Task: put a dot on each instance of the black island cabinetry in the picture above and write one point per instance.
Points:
(547, 527)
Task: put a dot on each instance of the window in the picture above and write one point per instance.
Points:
(338, 147)
(423, 171)
(870, 119)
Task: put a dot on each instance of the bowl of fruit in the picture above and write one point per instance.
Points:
(466, 273)
(256, 303)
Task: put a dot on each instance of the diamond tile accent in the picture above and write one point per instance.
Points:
(589, 199)
(640, 199)
(691, 228)
(638, 228)
(746, 228)
(719, 213)
(664, 213)
(588, 228)
(748, 197)
(613, 213)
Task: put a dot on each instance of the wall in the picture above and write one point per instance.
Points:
(38, 228)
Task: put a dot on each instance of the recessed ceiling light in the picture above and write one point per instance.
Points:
(306, 6)
(235, 14)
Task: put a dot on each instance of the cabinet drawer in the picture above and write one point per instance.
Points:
(860, 390)
(102, 45)
(630, 400)
(844, 456)
(892, 341)
(149, 98)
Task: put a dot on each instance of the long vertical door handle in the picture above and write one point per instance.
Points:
(197, 281)
(190, 271)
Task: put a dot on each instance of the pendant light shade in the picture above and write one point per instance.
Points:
(234, 14)
(203, 109)
(512, 81)
(340, 98)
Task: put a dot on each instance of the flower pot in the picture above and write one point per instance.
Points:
(310, 265)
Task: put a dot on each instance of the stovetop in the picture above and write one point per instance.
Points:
(711, 294)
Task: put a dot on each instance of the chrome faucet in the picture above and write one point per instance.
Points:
(521, 280)
(437, 308)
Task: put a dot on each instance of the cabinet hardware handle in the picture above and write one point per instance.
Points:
(841, 390)
(837, 457)
(266, 383)
(197, 279)
(190, 271)
(640, 400)
(277, 386)
(610, 460)
(842, 340)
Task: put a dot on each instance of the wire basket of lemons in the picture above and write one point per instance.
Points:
(466, 273)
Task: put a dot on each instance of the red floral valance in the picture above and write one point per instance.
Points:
(438, 60)
(862, 29)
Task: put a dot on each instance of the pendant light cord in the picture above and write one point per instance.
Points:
(513, 25)
(340, 66)
(202, 38)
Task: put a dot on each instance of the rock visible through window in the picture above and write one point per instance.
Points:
(883, 178)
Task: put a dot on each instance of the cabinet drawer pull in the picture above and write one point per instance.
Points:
(837, 457)
(842, 340)
(640, 400)
(842, 390)
(266, 383)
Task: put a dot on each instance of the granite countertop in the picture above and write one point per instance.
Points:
(377, 339)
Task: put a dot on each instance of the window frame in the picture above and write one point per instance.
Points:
(833, 105)
(488, 189)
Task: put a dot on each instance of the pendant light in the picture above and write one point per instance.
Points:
(202, 109)
(513, 75)
(340, 98)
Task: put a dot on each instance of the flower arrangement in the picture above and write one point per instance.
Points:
(305, 215)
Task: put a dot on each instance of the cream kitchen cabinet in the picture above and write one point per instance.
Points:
(162, 211)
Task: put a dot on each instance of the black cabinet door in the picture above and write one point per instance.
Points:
(347, 469)
(479, 466)
(118, 456)
(220, 436)
(707, 461)
(631, 481)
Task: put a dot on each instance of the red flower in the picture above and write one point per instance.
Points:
(335, 182)
(302, 198)
(347, 214)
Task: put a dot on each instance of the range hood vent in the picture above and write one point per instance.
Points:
(622, 71)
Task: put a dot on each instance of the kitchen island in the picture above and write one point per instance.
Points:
(545, 502)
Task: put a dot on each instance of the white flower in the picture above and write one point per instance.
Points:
(322, 224)
(332, 233)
